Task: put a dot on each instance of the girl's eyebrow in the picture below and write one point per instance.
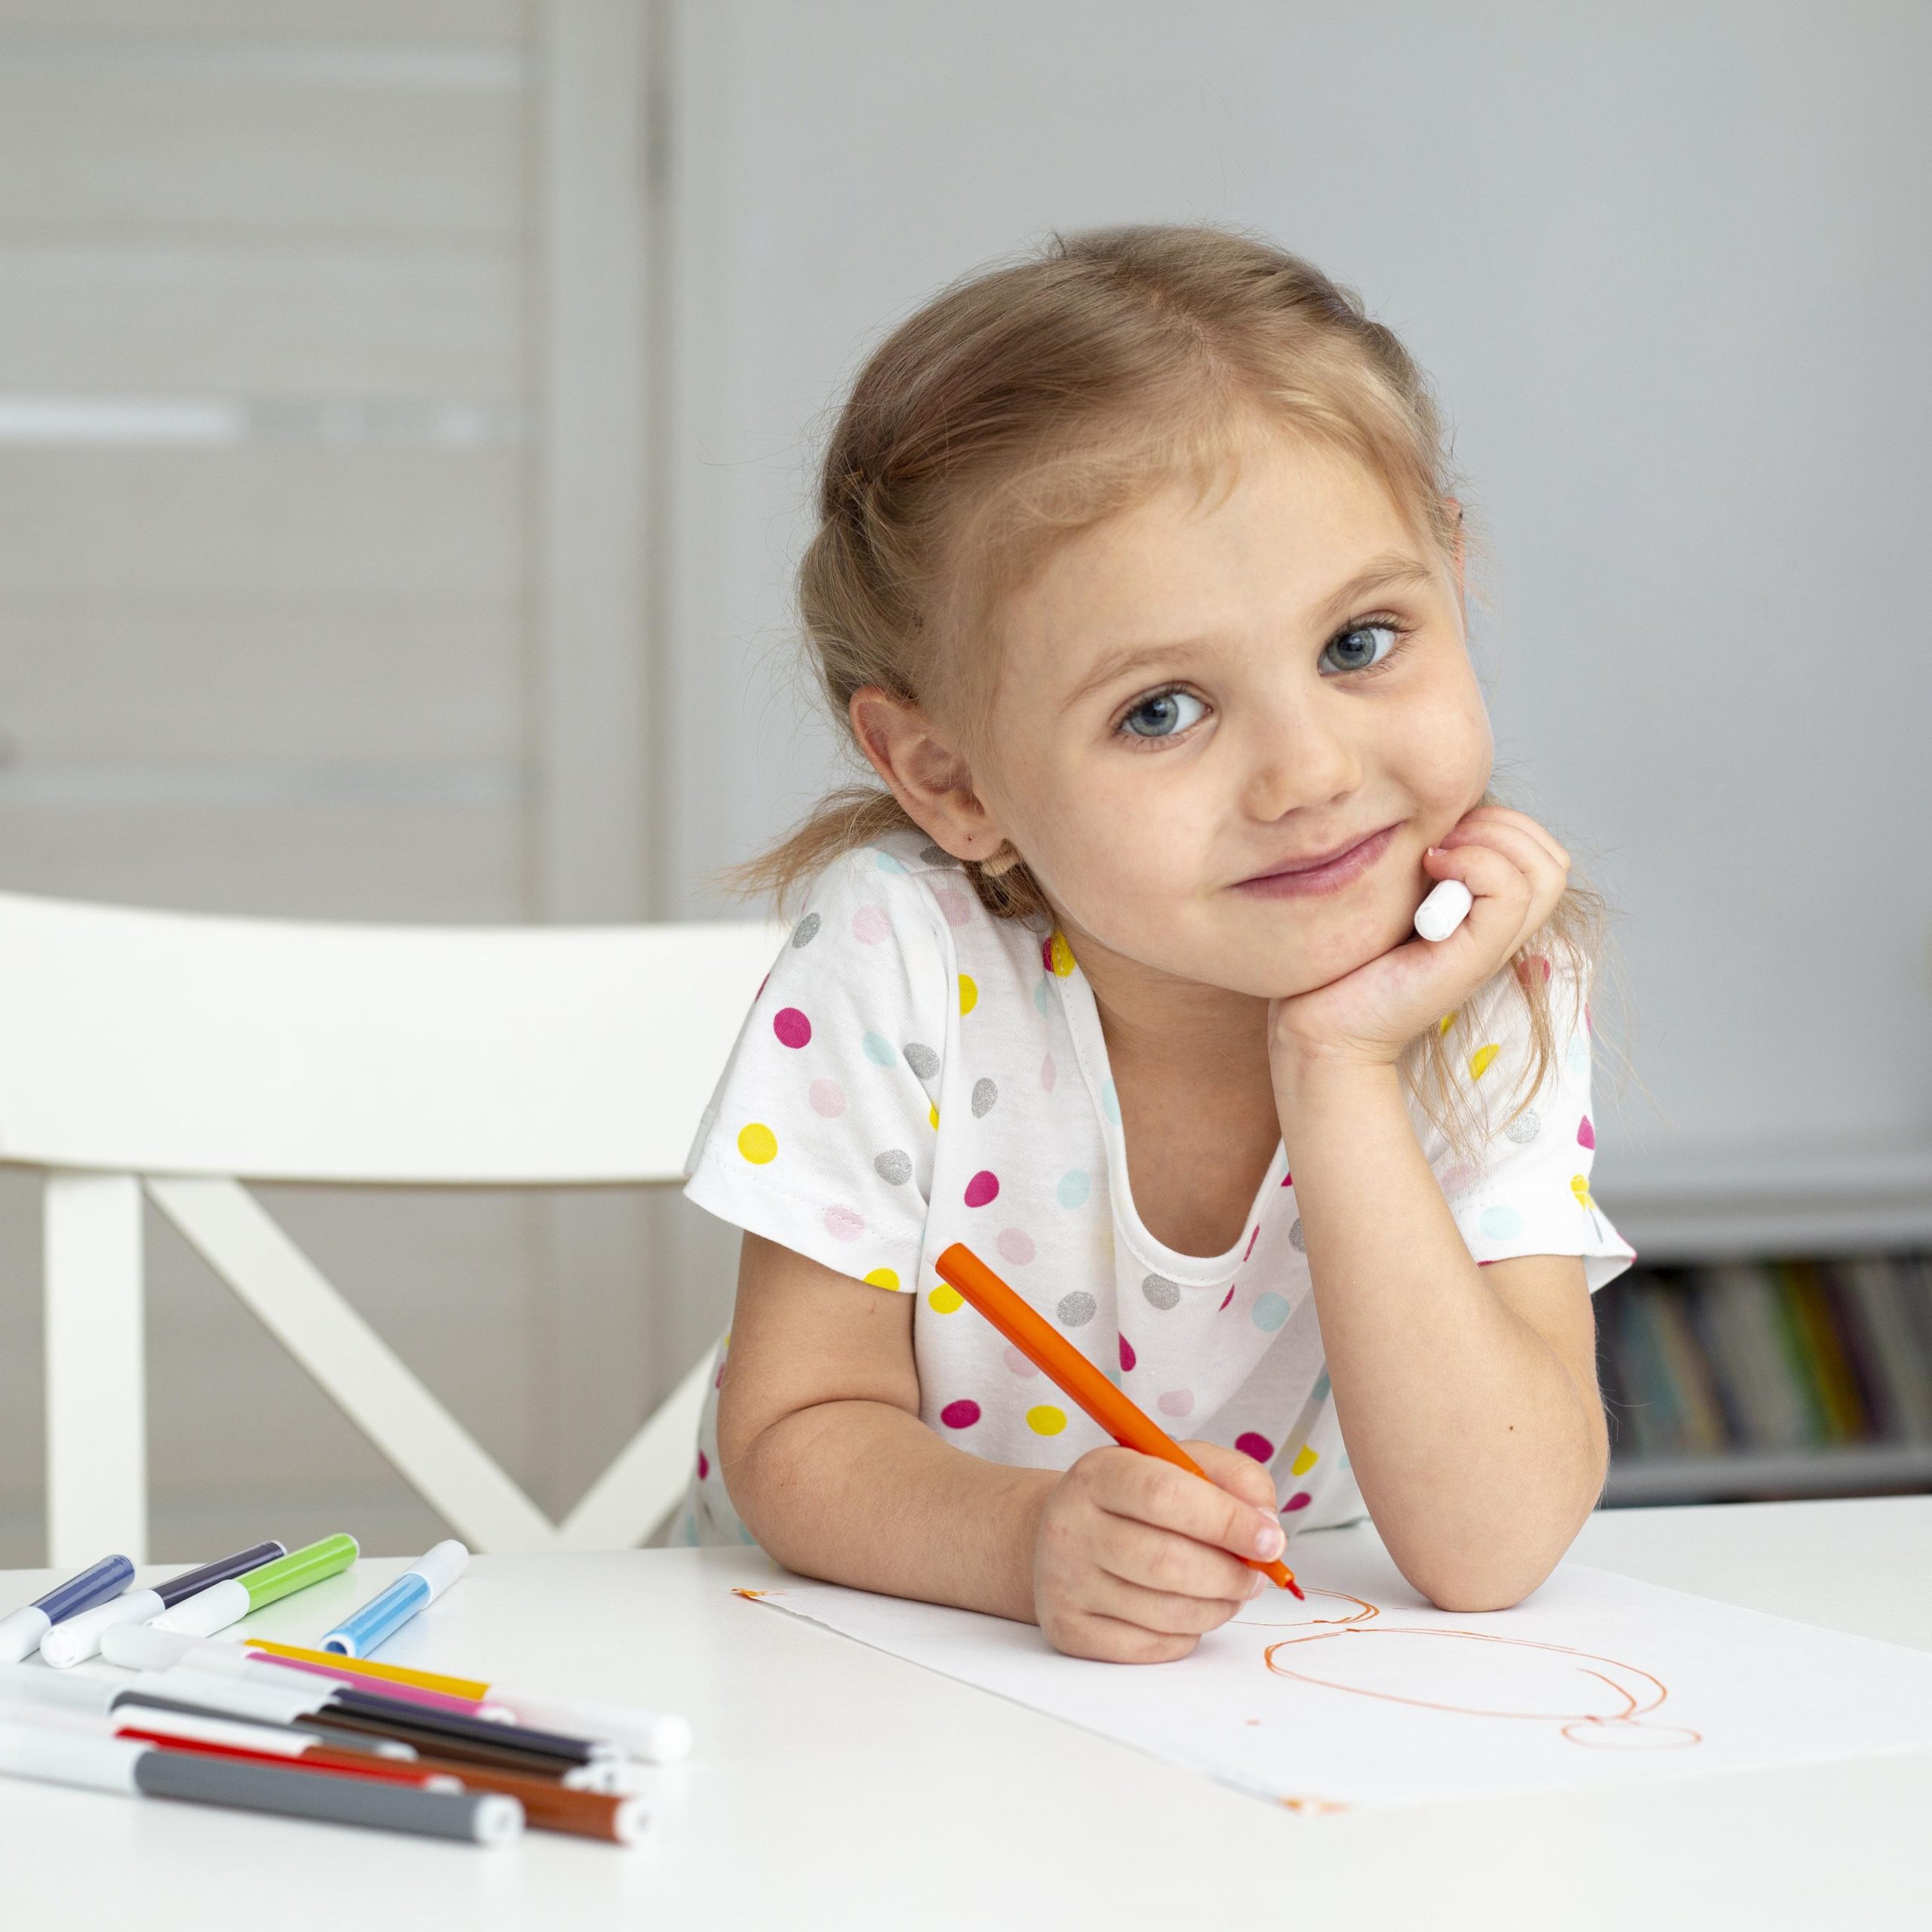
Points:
(1383, 572)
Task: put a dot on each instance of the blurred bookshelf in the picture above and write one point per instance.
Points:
(1774, 1339)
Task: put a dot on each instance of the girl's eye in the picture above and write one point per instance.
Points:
(1165, 714)
(1357, 649)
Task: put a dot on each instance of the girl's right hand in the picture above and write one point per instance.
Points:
(1135, 1559)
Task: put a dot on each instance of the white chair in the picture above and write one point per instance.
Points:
(184, 1055)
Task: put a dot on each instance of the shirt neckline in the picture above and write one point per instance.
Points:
(1090, 1049)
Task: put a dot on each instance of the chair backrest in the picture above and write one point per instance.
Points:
(183, 1054)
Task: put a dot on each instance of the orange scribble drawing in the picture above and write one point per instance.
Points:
(1593, 1700)
(754, 1596)
(1360, 1610)
(1312, 1807)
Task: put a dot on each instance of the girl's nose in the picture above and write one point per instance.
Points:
(1301, 756)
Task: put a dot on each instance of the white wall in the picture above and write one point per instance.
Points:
(1667, 266)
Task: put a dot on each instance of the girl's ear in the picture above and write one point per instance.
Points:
(928, 776)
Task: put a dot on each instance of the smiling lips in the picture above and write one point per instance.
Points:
(1327, 875)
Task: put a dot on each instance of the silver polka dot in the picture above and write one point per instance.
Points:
(984, 1094)
(1295, 1240)
(1161, 1292)
(1077, 1309)
(937, 855)
(894, 1167)
(1524, 1128)
(921, 1060)
(806, 930)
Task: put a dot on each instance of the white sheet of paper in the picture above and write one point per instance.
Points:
(1365, 1696)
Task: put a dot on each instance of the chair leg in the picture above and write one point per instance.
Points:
(96, 1393)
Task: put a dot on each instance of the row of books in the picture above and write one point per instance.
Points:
(1767, 1355)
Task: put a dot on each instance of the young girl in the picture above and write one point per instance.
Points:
(1139, 584)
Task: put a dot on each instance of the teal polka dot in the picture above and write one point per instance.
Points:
(1110, 1103)
(1579, 1058)
(1320, 1391)
(878, 1050)
(887, 863)
(1074, 1188)
(1042, 993)
(1268, 1312)
(1501, 1224)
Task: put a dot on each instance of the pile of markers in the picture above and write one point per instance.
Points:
(323, 1733)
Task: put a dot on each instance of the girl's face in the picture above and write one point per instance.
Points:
(1198, 697)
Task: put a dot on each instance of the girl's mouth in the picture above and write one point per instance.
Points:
(1332, 875)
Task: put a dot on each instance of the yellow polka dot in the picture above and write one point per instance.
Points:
(883, 1278)
(1443, 1025)
(1306, 1461)
(944, 1300)
(1579, 1186)
(932, 1114)
(758, 1143)
(1479, 1060)
(1061, 954)
(969, 994)
(1046, 1419)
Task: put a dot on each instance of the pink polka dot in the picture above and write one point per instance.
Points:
(1251, 1240)
(1299, 1500)
(761, 984)
(870, 924)
(792, 1026)
(1460, 1178)
(1227, 1298)
(1017, 1245)
(1586, 1135)
(828, 1098)
(1019, 1363)
(953, 904)
(717, 1380)
(1259, 1447)
(1046, 952)
(984, 1186)
(703, 1465)
(960, 1415)
(843, 1223)
(1049, 1073)
(1175, 1402)
(1126, 1354)
(1287, 1180)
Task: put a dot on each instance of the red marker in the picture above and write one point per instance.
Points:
(1056, 1358)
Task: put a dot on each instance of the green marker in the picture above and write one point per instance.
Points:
(216, 1608)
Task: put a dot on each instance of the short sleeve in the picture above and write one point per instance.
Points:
(1528, 1192)
(820, 1133)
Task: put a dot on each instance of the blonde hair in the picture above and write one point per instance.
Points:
(1036, 398)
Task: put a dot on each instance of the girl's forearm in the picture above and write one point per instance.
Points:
(1478, 1454)
(863, 1494)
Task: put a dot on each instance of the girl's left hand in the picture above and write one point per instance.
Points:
(1515, 871)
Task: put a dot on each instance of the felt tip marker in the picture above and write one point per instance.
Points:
(21, 1632)
(146, 1771)
(653, 1737)
(1070, 1371)
(216, 1608)
(420, 1585)
(1443, 910)
(79, 1637)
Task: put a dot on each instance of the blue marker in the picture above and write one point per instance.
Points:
(21, 1632)
(420, 1584)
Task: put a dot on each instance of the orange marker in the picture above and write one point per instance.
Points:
(1056, 1358)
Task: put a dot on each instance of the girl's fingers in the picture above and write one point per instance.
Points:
(1508, 867)
(1165, 1562)
(1165, 1611)
(1502, 816)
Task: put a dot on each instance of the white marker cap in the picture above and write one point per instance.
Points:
(78, 1637)
(1443, 910)
(658, 1738)
(21, 1631)
(212, 1609)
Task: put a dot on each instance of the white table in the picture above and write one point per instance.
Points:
(834, 1786)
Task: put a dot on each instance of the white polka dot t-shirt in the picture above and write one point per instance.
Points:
(915, 1072)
